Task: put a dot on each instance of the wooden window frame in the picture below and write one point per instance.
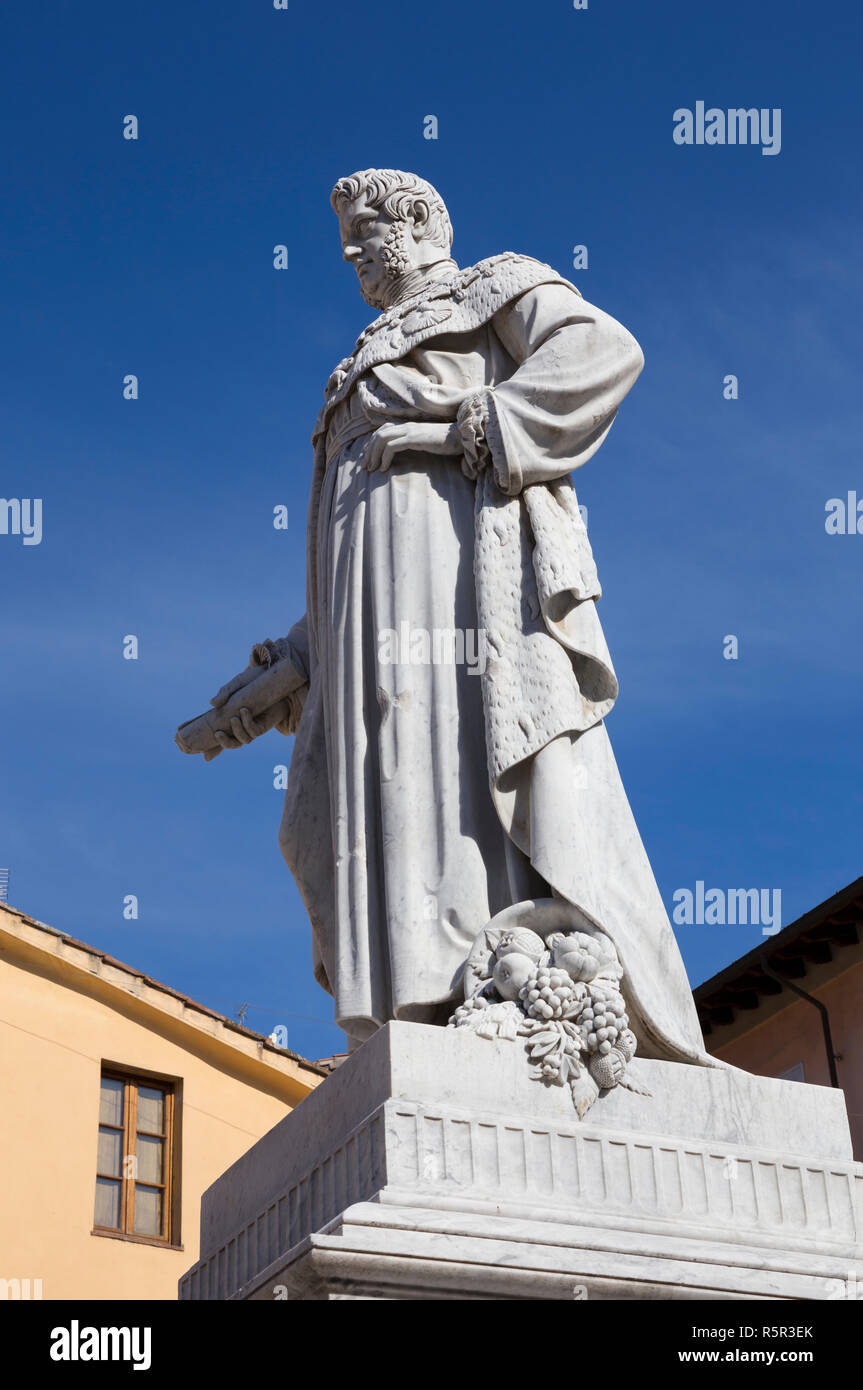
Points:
(170, 1185)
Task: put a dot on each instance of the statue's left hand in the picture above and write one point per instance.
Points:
(428, 438)
(258, 699)
(243, 730)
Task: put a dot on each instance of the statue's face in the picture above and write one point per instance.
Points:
(369, 237)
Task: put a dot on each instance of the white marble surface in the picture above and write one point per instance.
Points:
(426, 796)
(433, 1145)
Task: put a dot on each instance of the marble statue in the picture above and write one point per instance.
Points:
(454, 818)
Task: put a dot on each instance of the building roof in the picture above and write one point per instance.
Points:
(818, 945)
(331, 1063)
(116, 973)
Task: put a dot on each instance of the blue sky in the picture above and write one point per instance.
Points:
(154, 257)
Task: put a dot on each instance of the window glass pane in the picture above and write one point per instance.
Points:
(148, 1211)
(111, 1102)
(149, 1159)
(107, 1203)
(110, 1146)
(151, 1109)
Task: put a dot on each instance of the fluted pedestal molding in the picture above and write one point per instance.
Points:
(430, 1166)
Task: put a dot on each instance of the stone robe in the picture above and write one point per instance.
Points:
(426, 795)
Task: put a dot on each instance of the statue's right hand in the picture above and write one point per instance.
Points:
(224, 694)
(260, 660)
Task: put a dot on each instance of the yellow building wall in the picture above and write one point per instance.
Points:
(54, 1038)
(795, 1035)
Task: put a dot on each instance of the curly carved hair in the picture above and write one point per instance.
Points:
(395, 192)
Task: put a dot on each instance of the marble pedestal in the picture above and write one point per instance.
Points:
(431, 1166)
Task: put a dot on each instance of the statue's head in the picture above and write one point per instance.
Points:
(391, 224)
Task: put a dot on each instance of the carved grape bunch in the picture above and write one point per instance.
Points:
(548, 994)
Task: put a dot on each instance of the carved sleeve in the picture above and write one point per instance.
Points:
(472, 419)
(575, 365)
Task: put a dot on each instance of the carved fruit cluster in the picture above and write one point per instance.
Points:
(548, 994)
(563, 997)
(601, 1020)
(466, 1013)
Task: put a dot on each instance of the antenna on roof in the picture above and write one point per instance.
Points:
(4, 885)
(241, 1014)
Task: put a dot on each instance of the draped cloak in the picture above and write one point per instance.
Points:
(426, 795)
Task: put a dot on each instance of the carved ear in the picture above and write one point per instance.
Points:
(421, 213)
